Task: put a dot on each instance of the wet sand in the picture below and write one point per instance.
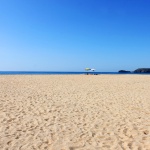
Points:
(74, 112)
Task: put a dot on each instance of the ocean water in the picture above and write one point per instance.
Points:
(49, 73)
(59, 73)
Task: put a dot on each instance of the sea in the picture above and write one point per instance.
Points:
(61, 73)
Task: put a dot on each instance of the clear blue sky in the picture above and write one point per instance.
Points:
(69, 35)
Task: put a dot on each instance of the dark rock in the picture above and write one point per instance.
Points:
(124, 71)
(142, 70)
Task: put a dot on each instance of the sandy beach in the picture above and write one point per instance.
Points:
(74, 112)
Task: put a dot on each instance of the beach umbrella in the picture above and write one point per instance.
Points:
(92, 69)
(87, 69)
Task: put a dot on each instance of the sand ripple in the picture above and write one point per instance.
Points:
(75, 112)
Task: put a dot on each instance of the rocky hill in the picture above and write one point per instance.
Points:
(142, 70)
(124, 71)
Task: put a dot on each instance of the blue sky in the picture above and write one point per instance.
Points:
(69, 35)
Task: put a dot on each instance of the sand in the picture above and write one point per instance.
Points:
(74, 112)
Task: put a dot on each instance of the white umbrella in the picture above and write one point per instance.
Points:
(93, 69)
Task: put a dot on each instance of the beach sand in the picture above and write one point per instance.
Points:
(74, 112)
